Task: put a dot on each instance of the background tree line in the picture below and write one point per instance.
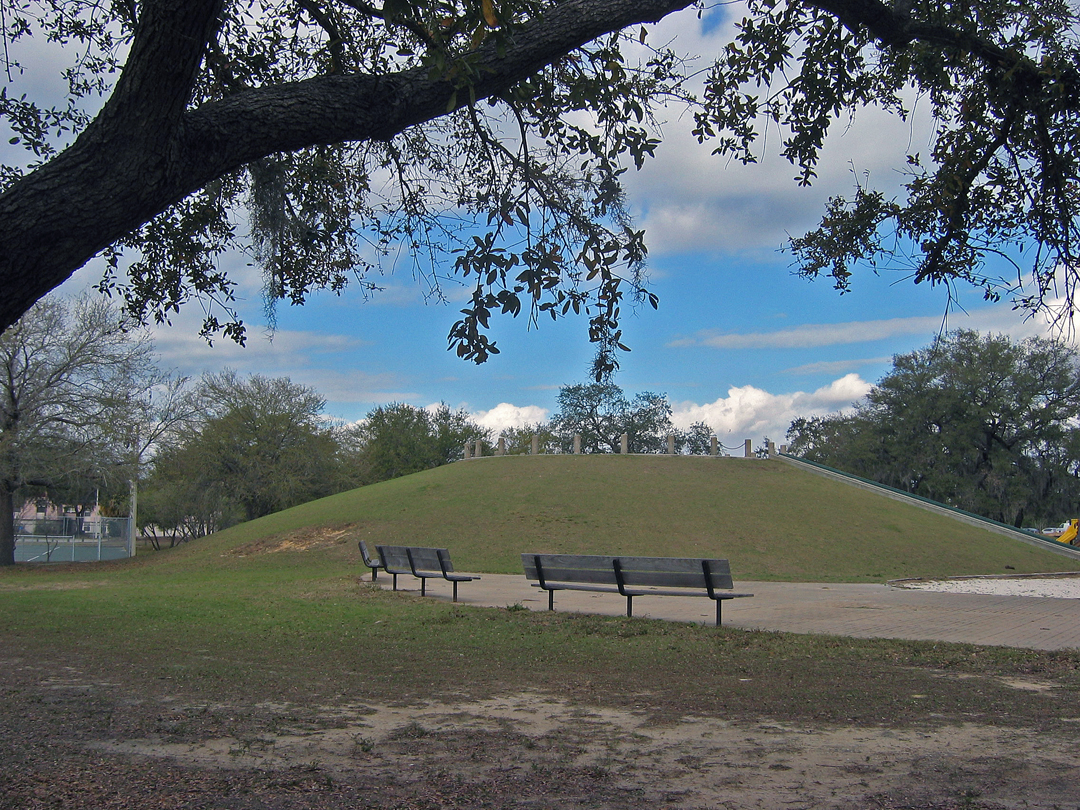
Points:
(87, 418)
(257, 445)
(979, 422)
(975, 421)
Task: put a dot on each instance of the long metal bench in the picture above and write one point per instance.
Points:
(423, 563)
(631, 576)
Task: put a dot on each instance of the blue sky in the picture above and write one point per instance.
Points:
(738, 341)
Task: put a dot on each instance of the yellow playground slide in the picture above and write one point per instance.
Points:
(1070, 535)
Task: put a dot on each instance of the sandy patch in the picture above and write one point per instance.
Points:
(1058, 586)
(299, 540)
(693, 762)
(66, 585)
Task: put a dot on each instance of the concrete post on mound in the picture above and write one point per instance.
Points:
(479, 448)
(747, 451)
(671, 444)
(535, 444)
(624, 443)
(712, 446)
(577, 444)
(772, 449)
(468, 451)
(502, 446)
(783, 448)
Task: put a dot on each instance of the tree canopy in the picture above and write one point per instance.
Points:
(976, 421)
(72, 377)
(488, 141)
(398, 439)
(600, 413)
(261, 444)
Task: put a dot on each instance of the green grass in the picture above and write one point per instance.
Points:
(291, 627)
(774, 522)
(273, 610)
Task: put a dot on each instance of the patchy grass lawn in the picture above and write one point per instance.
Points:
(273, 679)
(290, 622)
(255, 670)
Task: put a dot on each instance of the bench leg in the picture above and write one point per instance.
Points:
(395, 581)
(629, 606)
(374, 574)
(423, 586)
(455, 591)
(719, 602)
(551, 600)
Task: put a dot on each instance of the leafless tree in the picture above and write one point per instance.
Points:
(69, 374)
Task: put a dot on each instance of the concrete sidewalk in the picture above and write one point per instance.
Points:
(860, 611)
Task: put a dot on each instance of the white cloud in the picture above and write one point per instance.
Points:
(817, 334)
(834, 366)
(998, 319)
(181, 347)
(504, 415)
(1005, 319)
(352, 386)
(302, 356)
(689, 199)
(752, 413)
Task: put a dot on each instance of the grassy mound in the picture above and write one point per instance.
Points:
(774, 522)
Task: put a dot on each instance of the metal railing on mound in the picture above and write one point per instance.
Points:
(962, 515)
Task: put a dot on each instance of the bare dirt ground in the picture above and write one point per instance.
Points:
(69, 741)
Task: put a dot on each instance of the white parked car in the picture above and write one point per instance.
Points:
(1056, 531)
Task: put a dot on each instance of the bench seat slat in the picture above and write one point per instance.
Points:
(682, 592)
(569, 562)
(576, 560)
(570, 586)
(674, 572)
(425, 559)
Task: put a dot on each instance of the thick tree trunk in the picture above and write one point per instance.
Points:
(144, 152)
(7, 524)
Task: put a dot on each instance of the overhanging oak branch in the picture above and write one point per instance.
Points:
(127, 166)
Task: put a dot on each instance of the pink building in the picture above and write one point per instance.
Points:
(43, 509)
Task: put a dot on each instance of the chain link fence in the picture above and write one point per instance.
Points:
(72, 539)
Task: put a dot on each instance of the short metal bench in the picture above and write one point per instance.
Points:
(632, 576)
(372, 561)
(423, 563)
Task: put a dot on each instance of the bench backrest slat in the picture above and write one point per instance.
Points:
(425, 559)
(674, 572)
(395, 559)
(570, 568)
